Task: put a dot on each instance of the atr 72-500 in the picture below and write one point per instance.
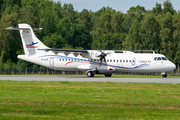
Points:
(93, 62)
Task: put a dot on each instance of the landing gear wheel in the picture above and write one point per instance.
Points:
(164, 75)
(90, 74)
(107, 75)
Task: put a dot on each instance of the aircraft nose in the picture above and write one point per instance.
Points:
(172, 66)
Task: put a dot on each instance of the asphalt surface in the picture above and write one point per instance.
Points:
(92, 79)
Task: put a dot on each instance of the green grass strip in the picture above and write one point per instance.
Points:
(88, 100)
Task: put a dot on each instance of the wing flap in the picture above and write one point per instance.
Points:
(66, 50)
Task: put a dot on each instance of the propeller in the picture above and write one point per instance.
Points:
(103, 54)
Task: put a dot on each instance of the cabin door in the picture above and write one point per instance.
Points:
(51, 62)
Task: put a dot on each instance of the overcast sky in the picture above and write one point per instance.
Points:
(118, 5)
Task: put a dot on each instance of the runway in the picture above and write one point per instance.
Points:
(92, 79)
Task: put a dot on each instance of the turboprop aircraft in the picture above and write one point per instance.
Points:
(93, 62)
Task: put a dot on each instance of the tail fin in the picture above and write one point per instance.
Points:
(30, 42)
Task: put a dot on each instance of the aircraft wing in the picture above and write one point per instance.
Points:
(145, 51)
(88, 54)
(137, 51)
(68, 51)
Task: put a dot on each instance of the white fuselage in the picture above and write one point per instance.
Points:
(115, 62)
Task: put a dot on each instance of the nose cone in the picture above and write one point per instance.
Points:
(171, 66)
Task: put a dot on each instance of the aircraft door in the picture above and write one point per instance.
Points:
(119, 62)
(51, 62)
(133, 62)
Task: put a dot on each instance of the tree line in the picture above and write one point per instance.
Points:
(64, 27)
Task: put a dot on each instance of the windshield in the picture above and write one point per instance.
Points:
(160, 58)
(164, 58)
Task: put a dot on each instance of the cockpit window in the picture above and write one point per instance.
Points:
(163, 58)
(158, 58)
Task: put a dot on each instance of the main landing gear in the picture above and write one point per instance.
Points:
(91, 74)
(107, 75)
(164, 74)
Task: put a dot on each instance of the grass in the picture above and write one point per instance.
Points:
(88, 100)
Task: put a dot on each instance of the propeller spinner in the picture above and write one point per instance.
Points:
(103, 54)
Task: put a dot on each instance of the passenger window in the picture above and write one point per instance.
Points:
(110, 60)
(107, 60)
(59, 59)
(159, 58)
(123, 60)
(129, 60)
(114, 61)
(120, 60)
(62, 59)
(117, 60)
(126, 60)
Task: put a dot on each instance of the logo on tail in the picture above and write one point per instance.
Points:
(32, 45)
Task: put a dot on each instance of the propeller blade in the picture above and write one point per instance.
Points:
(100, 61)
(99, 55)
(99, 47)
(105, 46)
(104, 59)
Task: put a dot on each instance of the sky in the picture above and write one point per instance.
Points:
(118, 5)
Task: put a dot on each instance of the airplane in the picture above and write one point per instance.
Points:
(93, 62)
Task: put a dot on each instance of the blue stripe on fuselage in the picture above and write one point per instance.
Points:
(92, 62)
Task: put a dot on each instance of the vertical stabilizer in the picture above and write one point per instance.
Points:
(30, 42)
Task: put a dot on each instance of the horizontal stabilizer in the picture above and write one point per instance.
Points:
(14, 28)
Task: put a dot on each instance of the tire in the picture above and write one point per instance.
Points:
(90, 74)
(164, 75)
(107, 75)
